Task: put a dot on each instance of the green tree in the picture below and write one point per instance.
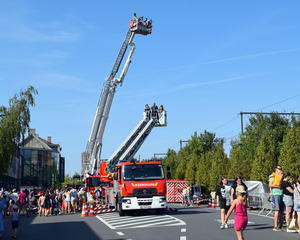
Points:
(14, 123)
(290, 152)
(181, 169)
(239, 165)
(172, 161)
(203, 170)
(219, 166)
(264, 161)
(191, 170)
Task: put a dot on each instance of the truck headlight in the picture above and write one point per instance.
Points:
(127, 201)
(161, 200)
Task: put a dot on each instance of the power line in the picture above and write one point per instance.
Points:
(225, 123)
(278, 102)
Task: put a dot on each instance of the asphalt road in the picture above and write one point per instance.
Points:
(188, 223)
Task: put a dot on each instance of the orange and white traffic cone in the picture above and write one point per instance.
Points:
(213, 203)
(84, 211)
(209, 203)
(92, 210)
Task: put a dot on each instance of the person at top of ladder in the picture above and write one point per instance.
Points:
(154, 109)
(147, 111)
(135, 18)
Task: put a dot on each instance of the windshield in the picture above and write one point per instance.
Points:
(95, 182)
(143, 172)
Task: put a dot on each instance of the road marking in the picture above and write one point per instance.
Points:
(183, 229)
(230, 221)
(182, 237)
(114, 221)
(120, 233)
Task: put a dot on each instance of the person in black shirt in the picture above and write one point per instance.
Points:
(238, 181)
(223, 199)
(288, 194)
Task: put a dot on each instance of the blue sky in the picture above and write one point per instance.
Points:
(206, 61)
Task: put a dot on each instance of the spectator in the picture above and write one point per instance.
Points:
(184, 196)
(59, 200)
(1, 216)
(74, 199)
(53, 197)
(14, 195)
(67, 196)
(240, 217)
(297, 198)
(22, 198)
(238, 182)
(31, 194)
(192, 195)
(42, 204)
(47, 203)
(278, 200)
(223, 199)
(288, 193)
(15, 220)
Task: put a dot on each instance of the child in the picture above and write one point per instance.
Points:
(240, 207)
(15, 221)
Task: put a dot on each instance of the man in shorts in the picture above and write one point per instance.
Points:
(22, 198)
(278, 200)
(74, 199)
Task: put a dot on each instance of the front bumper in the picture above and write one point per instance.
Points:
(133, 203)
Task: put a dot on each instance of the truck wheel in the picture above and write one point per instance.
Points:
(120, 210)
(160, 211)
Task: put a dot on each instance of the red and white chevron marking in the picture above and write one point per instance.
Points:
(173, 209)
(99, 208)
(174, 191)
(105, 211)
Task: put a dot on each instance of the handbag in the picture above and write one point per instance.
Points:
(292, 223)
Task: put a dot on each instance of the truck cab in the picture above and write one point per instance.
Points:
(140, 186)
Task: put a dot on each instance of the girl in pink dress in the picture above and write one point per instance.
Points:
(240, 216)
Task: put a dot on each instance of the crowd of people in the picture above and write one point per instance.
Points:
(284, 195)
(46, 203)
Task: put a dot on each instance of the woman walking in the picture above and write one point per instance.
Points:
(223, 199)
(240, 216)
(67, 196)
(238, 182)
(288, 194)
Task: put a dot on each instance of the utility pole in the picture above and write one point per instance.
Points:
(241, 113)
(157, 154)
(181, 141)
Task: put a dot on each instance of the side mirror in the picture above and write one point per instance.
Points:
(116, 176)
(168, 168)
(168, 175)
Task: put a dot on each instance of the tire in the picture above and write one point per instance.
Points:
(160, 211)
(120, 210)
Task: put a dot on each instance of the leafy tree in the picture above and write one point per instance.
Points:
(239, 165)
(273, 126)
(264, 161)
(203, 170)
(219, 166)
(172, 161)
(71, 180)
(181, 169)
(14, 123)
(290, 152)
(191, 170)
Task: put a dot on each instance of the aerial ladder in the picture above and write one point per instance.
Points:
(136, 138)
(93, 149)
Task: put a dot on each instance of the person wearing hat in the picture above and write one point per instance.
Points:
(240, 216)
(15, 220)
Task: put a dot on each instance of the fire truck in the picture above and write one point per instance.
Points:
(134, 186)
